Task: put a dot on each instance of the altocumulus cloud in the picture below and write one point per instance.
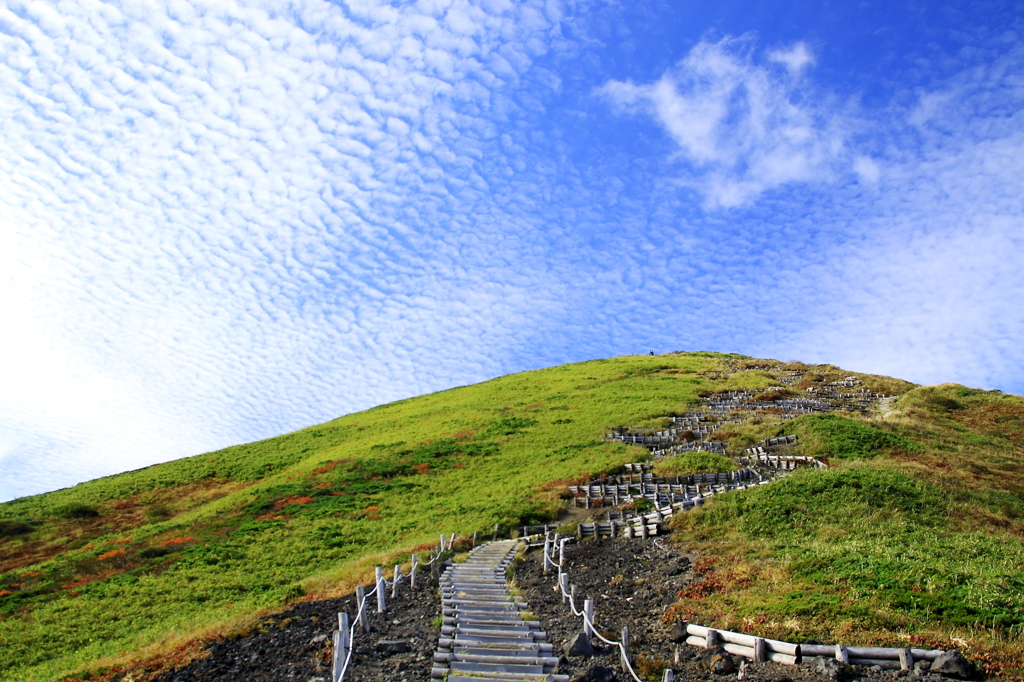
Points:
(212, 209)
(224, 220)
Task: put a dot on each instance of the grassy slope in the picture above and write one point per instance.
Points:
(189, 546)
(916, 538)
(209, 540)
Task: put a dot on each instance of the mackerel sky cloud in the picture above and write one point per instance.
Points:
(220, 221)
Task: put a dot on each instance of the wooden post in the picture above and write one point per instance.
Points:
(361, 607)
(906, 659)
(711, 639)
(579, 532)
(451, 542)
(643, 528)
(547, 554)
(394, 584)
(561, 552)
(474, 539)
(625, 656)
(341, 645)
(495, 536)
(433, 565)
(572, 594)
(588, 609)
(669, 676)
(442, 543)
(412, 572)
(842, 655)
(381, 608)
(760, 650)
(563, 581)
(337, 658)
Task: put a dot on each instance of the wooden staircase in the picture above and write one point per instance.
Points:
(484, 637)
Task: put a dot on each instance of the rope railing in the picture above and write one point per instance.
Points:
(749, 646)
(588, 608)
(344, 636)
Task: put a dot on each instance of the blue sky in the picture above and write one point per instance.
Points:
(221, 221)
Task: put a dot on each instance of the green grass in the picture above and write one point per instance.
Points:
(832, 436)
(189, 547)
(694, 463)
(916, 534)
(915, 537)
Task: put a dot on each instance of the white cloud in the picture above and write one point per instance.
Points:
(867, 169)
(795, 58)
(218, 215)
(742, 129)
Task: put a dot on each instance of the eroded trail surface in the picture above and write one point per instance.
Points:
(631, 582)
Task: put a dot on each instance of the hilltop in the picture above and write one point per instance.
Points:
(914, 533)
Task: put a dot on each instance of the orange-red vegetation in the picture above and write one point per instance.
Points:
(295, 499)
(177, 541)
(112, 554)
(421, 468)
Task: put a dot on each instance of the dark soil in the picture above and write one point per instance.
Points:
(630, 581)
(295, 645)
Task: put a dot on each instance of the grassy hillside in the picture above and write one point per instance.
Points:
(152, 562)
(915, 536)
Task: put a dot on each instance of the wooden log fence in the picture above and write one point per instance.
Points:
(637, 525)
(761, 649)
(662, 493)
(757, 649)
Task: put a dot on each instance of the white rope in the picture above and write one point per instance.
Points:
(352, 631)
(593, 628)
(362, 607)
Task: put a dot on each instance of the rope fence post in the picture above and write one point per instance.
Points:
(381, 607)
(624, 653)
(361, 607)
(547, 554)
(588, 619)
(394, 583)
(563, 579)
(342, 644)
(415, 559)
(495, 536)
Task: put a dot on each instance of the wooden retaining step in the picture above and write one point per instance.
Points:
(484, 637)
